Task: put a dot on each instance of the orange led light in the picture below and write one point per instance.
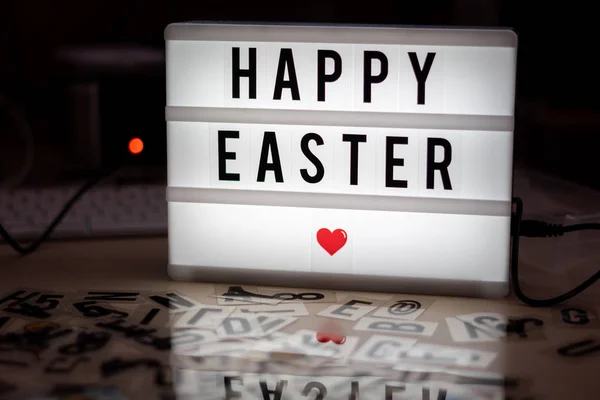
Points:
(136, 146)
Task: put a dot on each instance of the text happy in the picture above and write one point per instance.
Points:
(329, 69)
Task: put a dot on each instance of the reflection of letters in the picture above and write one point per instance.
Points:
(321, 390)
(485, 320)
(229, 392)
(426, 356)
(471, 330)
(201, 313)
(414, 376)
(427, 395)
(306, 343)
(185, 337)
(383, 348)
(236, 326)
(380, 351)
(266, 392)
(396, 326)
(444, 355)
(309, 340)
(390, 390)
(353, 390)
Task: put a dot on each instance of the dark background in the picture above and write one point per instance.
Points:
(557, 119)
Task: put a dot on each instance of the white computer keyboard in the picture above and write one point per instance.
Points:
(103, 211)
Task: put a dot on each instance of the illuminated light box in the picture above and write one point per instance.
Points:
(353, 157)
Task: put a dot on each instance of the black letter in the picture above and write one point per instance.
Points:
(230, 393)
(286, 58)
(15, 296)
(269, 142)
(517, 325)
(574, 316)
(391, 162)
(277, 392)
(442, 166)
(172, 301)
(579, 349)
(348, 306)
(3, 321)
(312, 158)
(370, 79)
(150, 316)
(237, 73)
(354, 141)
(322, 78)
(421, 74)
(226, 155)
(111, 296)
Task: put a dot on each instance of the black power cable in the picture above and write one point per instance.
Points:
(33, 246)
(533, 228)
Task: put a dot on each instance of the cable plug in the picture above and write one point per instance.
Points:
(535, 228)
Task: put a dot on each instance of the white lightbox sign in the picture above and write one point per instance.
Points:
(363, 158)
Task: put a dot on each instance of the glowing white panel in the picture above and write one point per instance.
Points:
(380, 245)
(351, 157)
(438, 71)
(478, 162)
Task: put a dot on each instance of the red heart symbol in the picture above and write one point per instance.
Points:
(332, 241)
(326, 337)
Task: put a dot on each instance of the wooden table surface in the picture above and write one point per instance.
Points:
(532, 365)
